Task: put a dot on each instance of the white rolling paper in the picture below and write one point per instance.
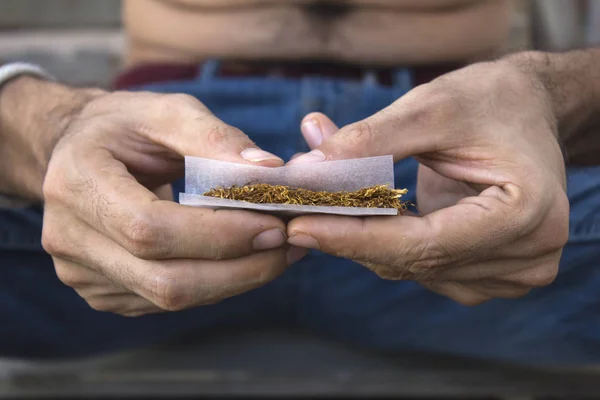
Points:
(202, 174)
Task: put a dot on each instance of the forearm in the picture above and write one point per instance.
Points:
(33, 115)
(572, 84)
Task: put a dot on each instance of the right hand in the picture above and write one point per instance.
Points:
(496, 212)
(121, 247)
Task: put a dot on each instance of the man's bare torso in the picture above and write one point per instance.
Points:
(373, 32)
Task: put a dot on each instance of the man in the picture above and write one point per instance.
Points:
(491, 186)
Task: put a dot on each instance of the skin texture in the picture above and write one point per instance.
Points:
(112, 238)
(367, 32)
(491, 187)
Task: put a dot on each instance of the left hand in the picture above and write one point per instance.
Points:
(491, 185)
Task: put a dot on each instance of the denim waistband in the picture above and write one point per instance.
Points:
(154, 73)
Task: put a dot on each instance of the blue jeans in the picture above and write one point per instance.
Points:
(324, 295)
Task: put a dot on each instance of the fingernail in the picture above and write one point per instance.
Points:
(257, 155)
(313, 156)
(270, 239)
(304, 240)
(295, 254)
(312, 132)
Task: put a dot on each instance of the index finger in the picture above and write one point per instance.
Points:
(103, 193)
(181, 123)
(464, 232)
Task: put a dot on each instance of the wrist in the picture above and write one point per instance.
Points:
(33, 116)
(570, 85)
(535, 67)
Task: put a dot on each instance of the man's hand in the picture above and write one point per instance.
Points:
(491, 185)
(120, 246)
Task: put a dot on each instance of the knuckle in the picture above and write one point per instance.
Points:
(53, 241)
(50, 242)
(540, 276)
(109, 306)
(101, 304)
(524, 208)
(545, 222)
(360, 133)
(95, 102)
(51, 189)
(431, 258)
(56, 185)
(144, 238)
(545, 276)
(64, 182)
(179, 101)
(559, 221)
(168, 292)
(175, 106)
(68, 276)
(459, 293)
(218, 134)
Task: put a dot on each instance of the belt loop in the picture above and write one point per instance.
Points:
(208, 70)
(403, 79)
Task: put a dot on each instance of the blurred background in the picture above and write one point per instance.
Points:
(80, 41)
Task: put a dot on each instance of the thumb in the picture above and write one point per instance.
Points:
(317, 128)
(408, 127)
(361, 139)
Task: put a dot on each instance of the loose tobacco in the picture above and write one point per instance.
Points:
(380, 196)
